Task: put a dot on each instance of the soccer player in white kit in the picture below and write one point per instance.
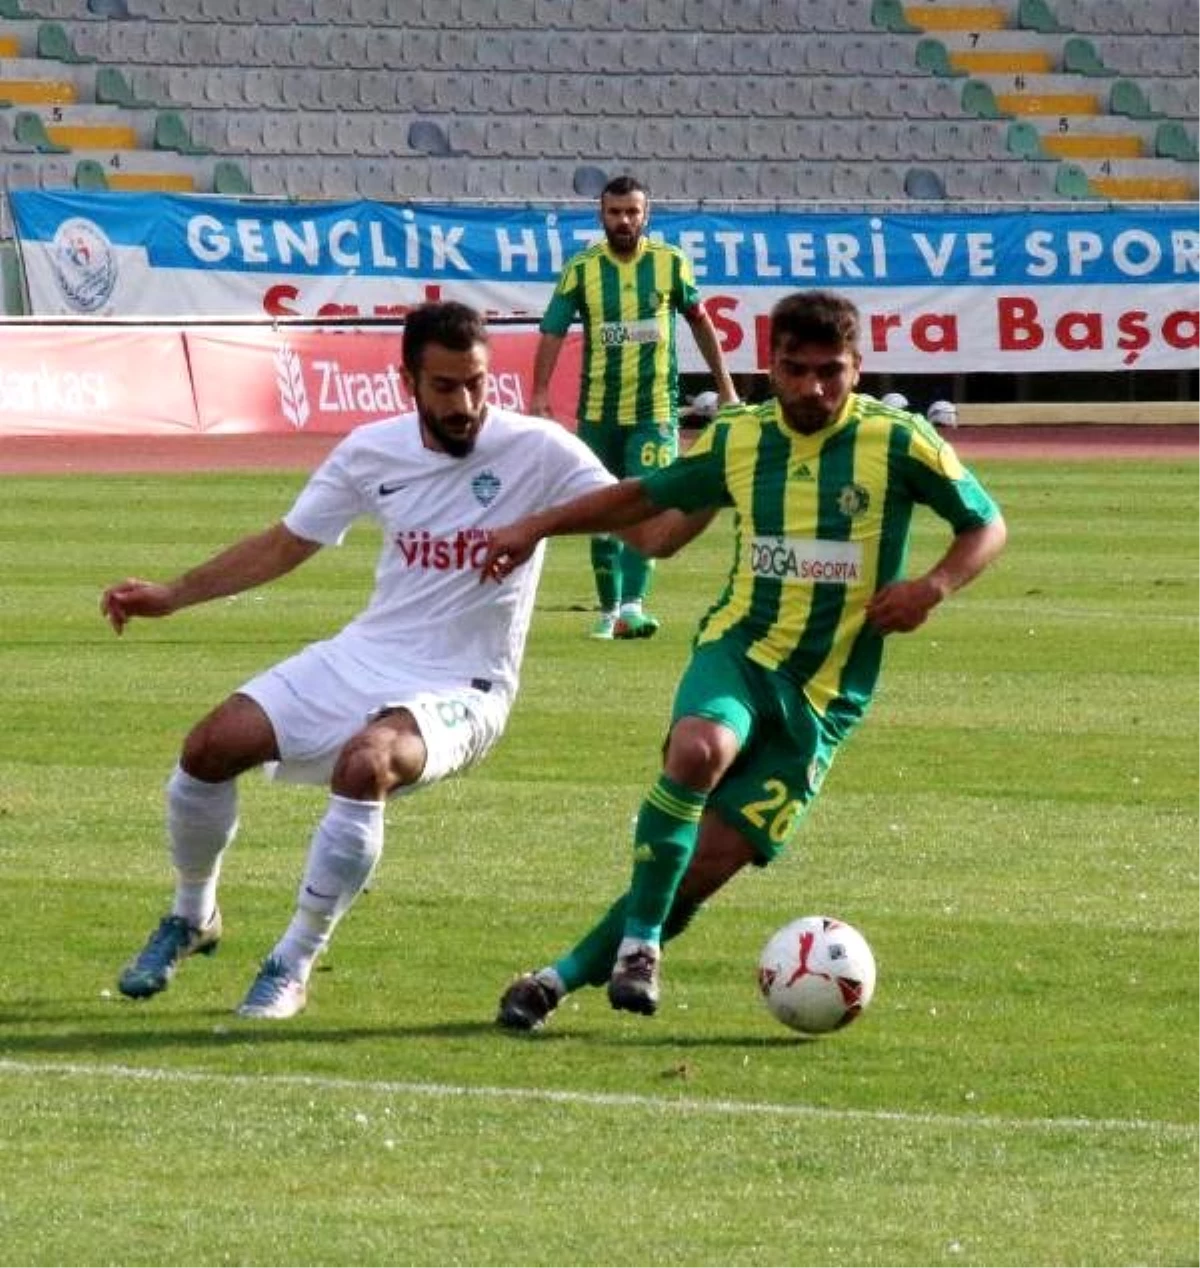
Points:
(414, 689)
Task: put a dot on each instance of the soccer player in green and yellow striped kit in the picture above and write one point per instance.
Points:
(626, 290)
(823, 482)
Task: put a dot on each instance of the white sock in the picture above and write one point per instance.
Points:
(345, 849)
(202, 821)
(550, 976)
(632, 608)
(630, 945)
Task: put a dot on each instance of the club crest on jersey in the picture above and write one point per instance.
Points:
(485, 486)
(853, 500)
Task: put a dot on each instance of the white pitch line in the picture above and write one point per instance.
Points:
(601, 1100)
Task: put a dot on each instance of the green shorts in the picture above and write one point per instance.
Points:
(786, 749)
(634, 450)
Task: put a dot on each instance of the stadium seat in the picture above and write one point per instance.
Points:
(529, 94)
(228, 178)
(410, 179)
(1037, 15)
(354, 133)
(777, 180)
(187, 85)
(849, 183)
(281, 132)
(171, 133)
(264, 88)
(923, 184)
(339, 179)
(111, 87)
(588, 181)
(270, 45)
(302, 178)
(584, 136)
(1070, 181)
(1173, 140)
(427, 136)
(885, 183)
(316, 132)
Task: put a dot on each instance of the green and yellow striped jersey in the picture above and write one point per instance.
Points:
(820, 523)
(628, 313)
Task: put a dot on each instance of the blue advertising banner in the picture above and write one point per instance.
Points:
(944, 292)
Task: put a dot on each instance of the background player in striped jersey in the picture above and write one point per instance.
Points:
(823, 482)
(626, 291)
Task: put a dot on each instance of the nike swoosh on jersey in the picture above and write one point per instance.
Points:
(389, 487)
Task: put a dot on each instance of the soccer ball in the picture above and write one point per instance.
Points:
(816, 974)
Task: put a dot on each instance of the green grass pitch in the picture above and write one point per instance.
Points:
(1014, 829)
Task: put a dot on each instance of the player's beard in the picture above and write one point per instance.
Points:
(455, 433)
(807, 416)
(622, 241)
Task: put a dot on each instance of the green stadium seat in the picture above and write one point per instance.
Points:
(1081, 58)
(29, 129)
(228, 178)
(112, 89)
(934, 57)
(54, 44)
(171, 133)
(889, 15)
(1024, 140)
(90, 175)
(1071, 181)
(979, 99)
(1172, 140)
(1126, 97)
(1036, 15)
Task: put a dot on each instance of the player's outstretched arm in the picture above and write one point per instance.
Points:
(604, 510)
(905, 605)
(253, 561)
(667, 533)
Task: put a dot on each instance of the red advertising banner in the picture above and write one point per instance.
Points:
(331, 381)
(126, 382)
(131, 382)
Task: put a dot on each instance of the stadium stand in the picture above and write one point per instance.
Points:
(842, 102)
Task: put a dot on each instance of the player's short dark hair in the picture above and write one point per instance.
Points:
(620, 186)
(821, 317)
(445, 322)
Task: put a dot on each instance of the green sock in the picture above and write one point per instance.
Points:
(636, 574)
(605, 551)
(663, 843)
(590, 961)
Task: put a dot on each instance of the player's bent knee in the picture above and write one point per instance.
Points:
(375, 763)
(231, 739)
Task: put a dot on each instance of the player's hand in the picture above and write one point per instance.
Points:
(133, 597)
(903, 606)
(539, 406)
(509, 548)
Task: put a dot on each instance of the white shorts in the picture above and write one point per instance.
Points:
(317, 699)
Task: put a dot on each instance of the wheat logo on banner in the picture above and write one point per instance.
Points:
(289, 377)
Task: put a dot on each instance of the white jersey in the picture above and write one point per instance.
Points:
(429, 614)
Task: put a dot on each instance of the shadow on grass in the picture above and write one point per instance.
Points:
(218, 1029)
